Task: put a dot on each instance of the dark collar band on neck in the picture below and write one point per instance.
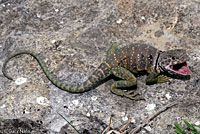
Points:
(156, 65)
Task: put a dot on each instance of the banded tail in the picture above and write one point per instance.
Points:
(94, 80)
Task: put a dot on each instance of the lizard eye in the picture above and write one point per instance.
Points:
(173, 58)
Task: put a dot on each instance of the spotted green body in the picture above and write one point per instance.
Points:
(124, 63)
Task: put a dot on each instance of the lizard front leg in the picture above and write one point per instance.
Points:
(112, 50)
(128, 80)
(155, 77)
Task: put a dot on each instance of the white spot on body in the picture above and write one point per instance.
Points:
(150, 107)
(56, 10)
(20, 81)
(42, 101)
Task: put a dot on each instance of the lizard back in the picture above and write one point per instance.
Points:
(135, 57)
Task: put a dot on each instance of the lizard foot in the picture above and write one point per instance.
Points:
(131, 95)
(163, 79)
(128, 94)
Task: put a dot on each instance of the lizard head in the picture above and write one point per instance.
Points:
(174, 62)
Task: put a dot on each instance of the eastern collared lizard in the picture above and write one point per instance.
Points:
(125, 63)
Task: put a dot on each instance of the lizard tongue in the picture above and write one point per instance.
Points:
(183, 70)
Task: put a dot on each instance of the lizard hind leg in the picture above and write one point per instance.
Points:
(128, 80)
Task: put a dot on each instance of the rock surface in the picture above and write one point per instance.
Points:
(72, 37)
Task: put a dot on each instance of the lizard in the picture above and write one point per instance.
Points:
(126, 63)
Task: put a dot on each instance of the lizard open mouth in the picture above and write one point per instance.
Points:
(180, 68)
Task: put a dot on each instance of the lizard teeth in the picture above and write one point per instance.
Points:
(168, 67)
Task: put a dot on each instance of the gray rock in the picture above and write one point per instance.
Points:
(72, 37)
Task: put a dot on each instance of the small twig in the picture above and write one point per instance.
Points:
(125, 126)
(69, 123)
(174, 23)
(135, 130)
(104, 131)
(190, 104)
(109, 126)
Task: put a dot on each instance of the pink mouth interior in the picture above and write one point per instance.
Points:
(180, 68)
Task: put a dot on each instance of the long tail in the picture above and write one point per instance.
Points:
(94, 80)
